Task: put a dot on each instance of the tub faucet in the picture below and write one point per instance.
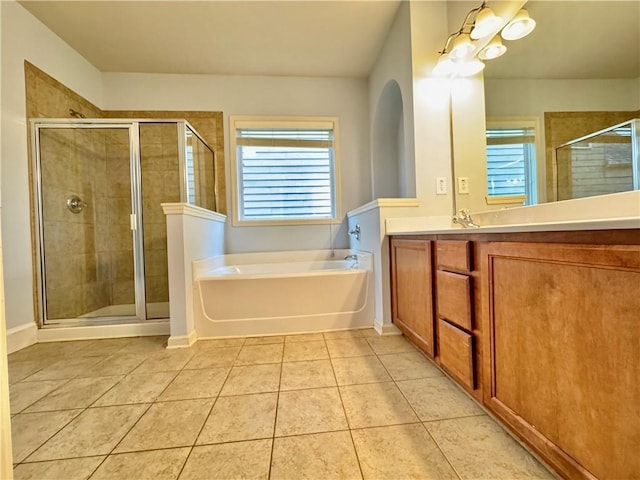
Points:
(353, 259)
(355, 232)
(464, 218)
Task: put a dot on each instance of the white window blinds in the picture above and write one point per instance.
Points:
(285, 173)
(510, 159)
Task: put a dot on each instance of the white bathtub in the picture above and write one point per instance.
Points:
(282, 292)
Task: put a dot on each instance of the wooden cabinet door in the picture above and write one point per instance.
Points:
(411, 286)
(563, 343)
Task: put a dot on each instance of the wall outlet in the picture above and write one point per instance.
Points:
(441, 186)
(463, 185)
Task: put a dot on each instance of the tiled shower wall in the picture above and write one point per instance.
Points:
(112, 253)
(562, 127)
(160, 184)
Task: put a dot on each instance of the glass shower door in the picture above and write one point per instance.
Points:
(86, 201)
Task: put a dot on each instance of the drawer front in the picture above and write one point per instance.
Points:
(454, 298)
(454, 254)
(455, 348)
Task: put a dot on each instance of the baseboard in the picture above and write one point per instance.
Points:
(182, 341)
(21, 337)
(386, 329)
(94, 332)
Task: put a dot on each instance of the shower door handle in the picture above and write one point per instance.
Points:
(75, 204)
(134, 221)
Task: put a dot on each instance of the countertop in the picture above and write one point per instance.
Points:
(426, 226)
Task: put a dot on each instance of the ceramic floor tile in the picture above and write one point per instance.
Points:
(25, 393)
(196, 384)
(264, 340)
(390, 344)
(310, 411)
(409, 366)
(309, 350)
(214, 357)
(399, 452)
(145, 345)
(309, 374)
(19, 370)
(167, 425)
(229, 461)
(356, 370)
(252, 379)
(76, 393)
(108, 346)
(202, 345)
(245, 417)
(165, 361)
(438, 398)
(340, 334)
(49, 352)
(303, 337)
(258, 354)
(70, 469)
(94, 432)
(323, 456)
(143, 388)
(369, 332)
(66, 368)
(120, 364)
(155, 464)
(348, 347)
(478, 447)
(376, 404)
(30, 430)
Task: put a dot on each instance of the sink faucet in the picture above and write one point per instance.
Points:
(464, 218)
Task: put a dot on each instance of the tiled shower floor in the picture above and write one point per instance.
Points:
(317, 406)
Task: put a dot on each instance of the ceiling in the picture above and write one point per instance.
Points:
(573, 39)
(293, 38)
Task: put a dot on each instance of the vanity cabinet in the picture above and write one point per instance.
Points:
(456, 339)
(563, 341)
(411, 287)
(544, 330)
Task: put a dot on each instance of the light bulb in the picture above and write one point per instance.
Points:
(494, 49)
(462, 46)
(520, 26)
(445, 66)
(467, 68)
(486, 23)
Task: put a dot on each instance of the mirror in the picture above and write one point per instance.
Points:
(577, 73)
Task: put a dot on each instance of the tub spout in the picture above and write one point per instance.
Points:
(351, 257)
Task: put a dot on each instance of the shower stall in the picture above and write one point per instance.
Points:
(101, 233)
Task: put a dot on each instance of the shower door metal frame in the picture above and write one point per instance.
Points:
(136, 214)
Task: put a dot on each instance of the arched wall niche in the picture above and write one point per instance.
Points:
(387, 145)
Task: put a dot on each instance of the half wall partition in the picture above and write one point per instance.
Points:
(101, 232)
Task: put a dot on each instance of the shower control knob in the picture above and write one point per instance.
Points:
(75, 204)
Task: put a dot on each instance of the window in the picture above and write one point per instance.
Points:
(285, 170)
(511, 162)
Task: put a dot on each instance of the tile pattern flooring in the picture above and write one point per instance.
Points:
(344, 405)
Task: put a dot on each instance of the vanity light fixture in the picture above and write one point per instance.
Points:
(461, 47)
(494, 49)
(460, 57)
(486, 23)
(520, 26)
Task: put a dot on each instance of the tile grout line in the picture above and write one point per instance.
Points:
(346, 417)
(275, 419)
(195, 441)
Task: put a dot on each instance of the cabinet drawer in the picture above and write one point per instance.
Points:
(456, 352)
(455, 254)
(454, 298)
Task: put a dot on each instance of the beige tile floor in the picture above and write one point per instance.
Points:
(316, 406)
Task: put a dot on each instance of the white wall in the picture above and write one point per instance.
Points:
(24, 37)
(394, 65)
(431, 106)
(241, 95)
(517, 97)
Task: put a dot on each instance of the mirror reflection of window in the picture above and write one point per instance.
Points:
(511, 162)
